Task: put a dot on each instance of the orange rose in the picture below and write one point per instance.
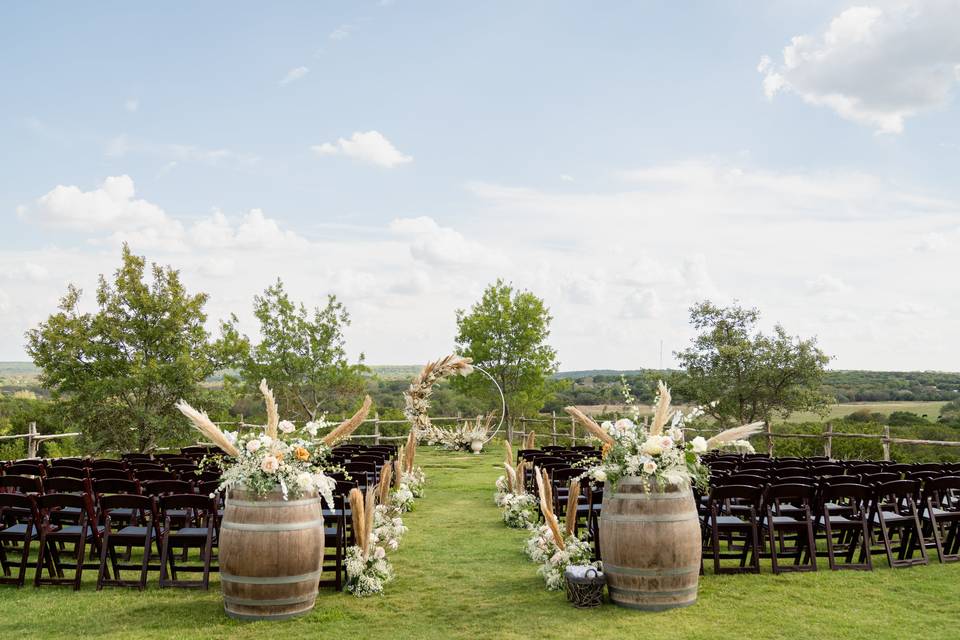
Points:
(301, 454)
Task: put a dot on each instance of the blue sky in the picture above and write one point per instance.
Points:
(620, 159)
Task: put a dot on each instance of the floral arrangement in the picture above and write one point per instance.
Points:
(368, 569)
(468, 436)
(410, 474)
(388, 527)
(402, 498)
(417, 397)
(517, 507)
(554, 550)
(656, 451)
(281, 458)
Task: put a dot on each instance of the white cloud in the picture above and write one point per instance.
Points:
(641, 304)
(435, 245)
(932, 242)
(824, 284)
(566, 177)
(875, 65)
(293, 75)
(342, 32)
(111, 206)
(370, 147)
(122, 146)
(131, 105)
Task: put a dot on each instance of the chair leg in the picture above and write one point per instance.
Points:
(42, 557)
(81, 548)
(104, 543)
(164, 548)
(145, 564)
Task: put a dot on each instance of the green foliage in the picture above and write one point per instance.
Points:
(740, 375)
(301, 354)
(881, 386)
(117, 371)
(950, 412)
(505, 333)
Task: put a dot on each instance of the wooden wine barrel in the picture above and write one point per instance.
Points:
(271, 555)
(650, 545)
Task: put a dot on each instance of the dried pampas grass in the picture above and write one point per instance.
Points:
(204, 425)
(359, 520)
(661, 412)
(736, 433)
(347, 427)
(530, 442)
(573, 497)
(546, 507)
(590, 425)
(273, 412)
(383, 488)
(507, 452)
(409, 452)
(397, 474)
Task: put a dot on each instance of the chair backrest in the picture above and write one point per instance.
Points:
(747, 494)
(794, 480)
(66, 472)
(879, 478)
(202, 506)
(115, 485)
(67, 462)
(776, 494)
(141, 505)
(49, 503)
(109, 473)
(65, 485)
(865, 469)
(828, 470)
(22, 507)
(854, 496)
(21, 484)
(24, 469)
(146, 475)
(942, 493)
(166, 487)
(107, 463)
(144, 465)
(784, 472)
(562, 476)
(748, 479)
(896, 492)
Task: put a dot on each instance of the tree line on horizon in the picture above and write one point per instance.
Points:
(114, 373)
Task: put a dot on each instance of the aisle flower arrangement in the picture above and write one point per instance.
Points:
(549, 546)
(518, 508)
(655, 451)
(282, 457)
(368, 569)
(411, 475)
(388, 527)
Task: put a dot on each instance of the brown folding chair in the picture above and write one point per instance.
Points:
(200, 537)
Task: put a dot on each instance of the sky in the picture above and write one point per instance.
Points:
(622, 160)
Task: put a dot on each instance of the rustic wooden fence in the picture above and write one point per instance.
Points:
(556, 429)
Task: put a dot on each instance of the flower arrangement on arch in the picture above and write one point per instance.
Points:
(417, 397)
(281, 458)
(656, 451)
(467, 436)
(410, 474)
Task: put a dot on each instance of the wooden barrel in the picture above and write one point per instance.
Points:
(650, 545)
(271, 555)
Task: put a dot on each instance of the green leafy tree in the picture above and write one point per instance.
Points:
(116, 372)
(740, 375)
(301, 354)
(505, 333)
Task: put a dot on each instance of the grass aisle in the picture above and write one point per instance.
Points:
(461, 574)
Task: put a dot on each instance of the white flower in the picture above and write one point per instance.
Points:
(624, 425)
(599, 475)
(286, 426)
(649, 466)
(666, 442)
(266, 440)
(253, 445)
(652, 446)
(269, 464)
(305, 481)
(311, 428)
(607, 426)
(699, 444)
(379, 553)
(231, 436)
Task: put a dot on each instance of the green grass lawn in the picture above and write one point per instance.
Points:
(461, 574)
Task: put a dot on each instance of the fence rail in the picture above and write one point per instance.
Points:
(557, 428)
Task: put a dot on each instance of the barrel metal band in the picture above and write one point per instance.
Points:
(674, 517)
(279, 526)
(651, 496)
(655, 594)
(254, 602)
(271, 504)
(229, 577)
(652, 573)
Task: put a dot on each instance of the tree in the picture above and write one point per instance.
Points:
(301, 353)
(740, 375)
(505, 334)
(116, 372)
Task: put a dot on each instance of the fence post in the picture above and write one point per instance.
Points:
(32, 440)
(573, 432)
(828, 441)
(769, 439)
(553, 426)
(886, 442)
(376, 428)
